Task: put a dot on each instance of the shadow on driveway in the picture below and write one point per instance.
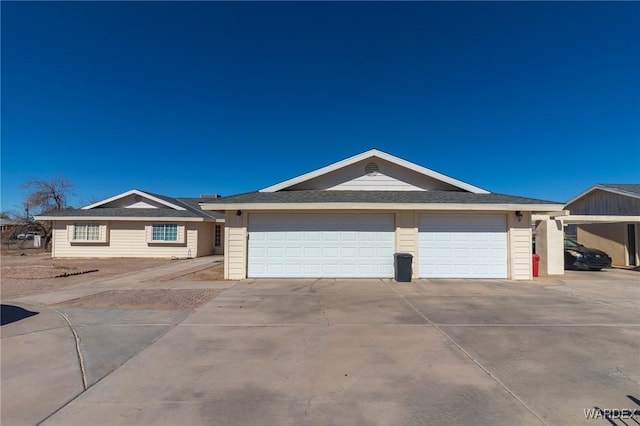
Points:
(11, 313)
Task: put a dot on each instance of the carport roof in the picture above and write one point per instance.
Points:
(625, 189)
(372, 197)
(628, 187)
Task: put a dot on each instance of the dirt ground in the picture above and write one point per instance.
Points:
(25, 270)
(214, 273)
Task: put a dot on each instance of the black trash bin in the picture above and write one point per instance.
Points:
(402, 264)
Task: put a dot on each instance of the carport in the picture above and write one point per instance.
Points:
(549, 231)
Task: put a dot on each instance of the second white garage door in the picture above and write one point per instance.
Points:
(463, 246)
(320, 245)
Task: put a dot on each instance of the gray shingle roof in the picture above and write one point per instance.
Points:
(633, 188)
(124, 212)
(192, 206)
(418, 197)
(190, 203)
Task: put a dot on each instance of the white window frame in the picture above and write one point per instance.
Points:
(180, 233)
(164, 230)
(87, 232)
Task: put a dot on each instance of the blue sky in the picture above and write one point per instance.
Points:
(539, 99)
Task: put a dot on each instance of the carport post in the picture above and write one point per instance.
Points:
(550, 246)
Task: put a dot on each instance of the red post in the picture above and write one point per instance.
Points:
(535, 261)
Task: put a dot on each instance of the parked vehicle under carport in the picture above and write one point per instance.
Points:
(577, 256)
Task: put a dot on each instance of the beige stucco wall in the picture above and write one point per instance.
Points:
(550, 247)
(127, 239)
(406, 241)
(609, 237)
(205, 238)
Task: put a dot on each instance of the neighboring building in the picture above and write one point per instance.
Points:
(137, 224)
(349, 218)
(7, 225)
(607, 217)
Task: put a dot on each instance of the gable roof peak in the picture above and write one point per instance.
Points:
(379, 154)
(164, 200)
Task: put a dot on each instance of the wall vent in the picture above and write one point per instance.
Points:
(371, 168)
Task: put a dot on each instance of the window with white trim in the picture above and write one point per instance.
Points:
(217, 236)
(164, 232)
(86, 232)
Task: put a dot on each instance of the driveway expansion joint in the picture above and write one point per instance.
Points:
(471, 357)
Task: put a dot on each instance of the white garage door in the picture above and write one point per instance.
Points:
(463, 246)
(321, 245)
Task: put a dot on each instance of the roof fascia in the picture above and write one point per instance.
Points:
(134, 192)
(374, 153)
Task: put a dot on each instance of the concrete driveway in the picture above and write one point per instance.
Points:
(464, 352)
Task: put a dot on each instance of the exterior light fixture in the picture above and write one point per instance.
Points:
(239, 213)
(519, 215)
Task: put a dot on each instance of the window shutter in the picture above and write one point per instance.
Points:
(181, 232)
(70, 232)
(148, 230)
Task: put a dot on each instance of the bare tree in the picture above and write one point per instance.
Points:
(44, 197)
(47, 196)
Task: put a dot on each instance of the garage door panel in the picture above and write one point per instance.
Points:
(313, 236)
(330, 236)
(348, 252)
(273, 268)
(311, 269)
(293, 269)
(294, 236)
(275, 252)
(462, 246)
(321, 245)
